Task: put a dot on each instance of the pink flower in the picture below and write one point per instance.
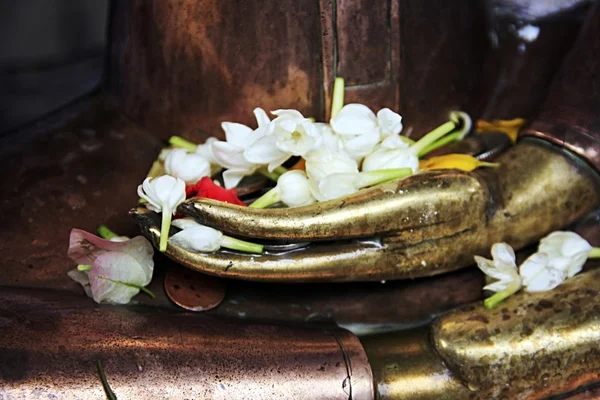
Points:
(111, 271)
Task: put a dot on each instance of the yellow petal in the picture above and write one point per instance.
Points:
(454, 161)
(509, 126)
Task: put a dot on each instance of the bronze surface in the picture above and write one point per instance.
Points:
(151, 354)
(423, 225)
(407, 366)
(569, 116)
(532, 346)
(64, 165)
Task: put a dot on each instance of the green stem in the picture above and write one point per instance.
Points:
(131, 285)
(497, 298)
(594, 253)
(177, 141)
(241, 245)
(105, 232)
(432, 136)
(464, 120)
(164, 229)
(488, 164)
(407, 140)
(157, 169)
(274, 176)
(109, 393)
(371, 178)
(271, 197)
(280, 170)
(338, 96)
(84, 267)
(147, 291)
(453, 137)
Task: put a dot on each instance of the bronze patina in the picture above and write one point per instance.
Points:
(175, 66)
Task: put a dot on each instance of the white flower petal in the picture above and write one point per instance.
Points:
(232, 177)
(264, 151)
(235, 133)
(293, 114)
(185, 223)
(389, 159)
(503, 255)
(295, 189)
(261, 117)
(532, 266)
(205, 150)
(322, 162)
(338, 185)
(497, 286)
(199, 238)
(547, 279)
(488, 267)
(230, 156)
(188, 167)
(354, 119)
(361, 145)
(163, 193)
(390, 122)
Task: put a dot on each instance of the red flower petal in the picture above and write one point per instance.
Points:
(205, 187)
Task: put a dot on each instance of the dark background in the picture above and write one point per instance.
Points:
(51, 53)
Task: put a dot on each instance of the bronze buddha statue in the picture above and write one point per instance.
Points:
(182, 68)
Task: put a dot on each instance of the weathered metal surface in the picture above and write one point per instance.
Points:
(532, 346)
(176, 66)
(569, 116)
(50, 343)
(423, 225)
(407, 366)
(81, 173)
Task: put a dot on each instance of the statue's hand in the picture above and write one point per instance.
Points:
(422, 225)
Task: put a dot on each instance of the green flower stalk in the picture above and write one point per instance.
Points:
(177, 141)
(337, 101)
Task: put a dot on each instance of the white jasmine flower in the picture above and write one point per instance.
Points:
(230, 154)
(502, 267)
(390, 123)
(537, 274)
(338, 185)
(567, 251)
(189, 167)
(358, 129)
(393, 152)
(163, 194)
(197, 237)
(322, 162)
(205, 150)
(295, 135)
(265, 151)
(292, 188)
(330, 140)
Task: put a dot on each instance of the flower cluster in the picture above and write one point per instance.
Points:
(356, 149)
(560, 256)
